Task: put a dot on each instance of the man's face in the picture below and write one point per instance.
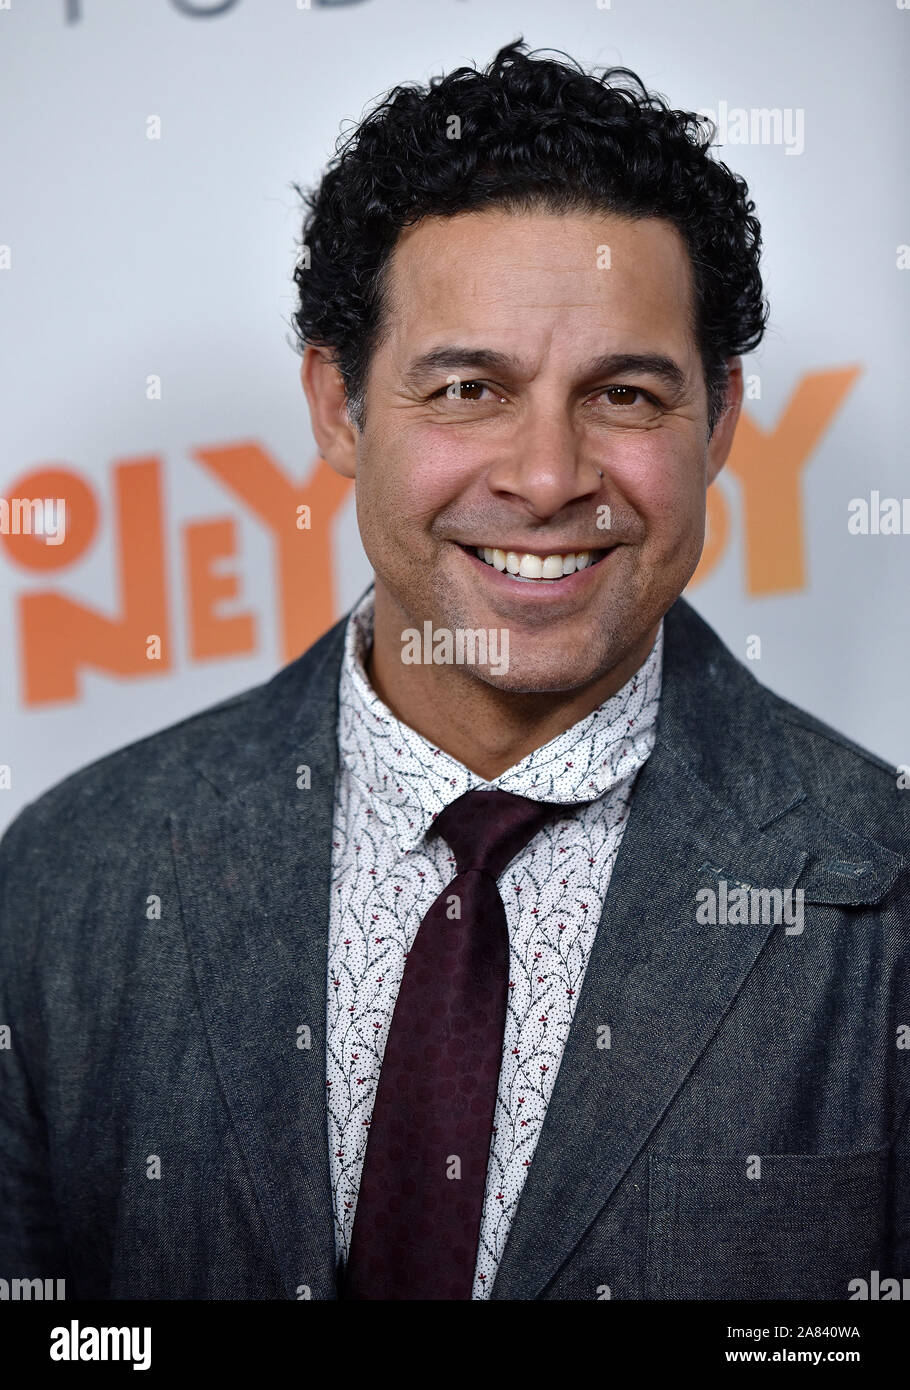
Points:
(504, 453)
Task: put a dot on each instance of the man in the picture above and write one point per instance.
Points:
(513, 942)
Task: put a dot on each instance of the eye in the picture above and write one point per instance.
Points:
(456, 390)
(625, 395)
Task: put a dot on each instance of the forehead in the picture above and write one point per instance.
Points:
(580, 279)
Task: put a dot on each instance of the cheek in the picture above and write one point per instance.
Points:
(664, 483)
(400, 487)
(675, 514)
(442, 465)
(424, 475)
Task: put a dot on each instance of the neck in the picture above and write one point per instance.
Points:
(486, 729)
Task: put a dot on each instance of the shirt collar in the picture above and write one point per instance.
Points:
(408, 782)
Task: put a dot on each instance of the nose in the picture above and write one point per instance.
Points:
(546, 465)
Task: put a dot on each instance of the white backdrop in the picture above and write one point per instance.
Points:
(124, 258)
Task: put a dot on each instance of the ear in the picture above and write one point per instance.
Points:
(721, 440)
(334, 433)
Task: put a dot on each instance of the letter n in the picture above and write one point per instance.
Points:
(61, 636)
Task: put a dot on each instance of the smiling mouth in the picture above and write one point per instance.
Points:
(537, 569)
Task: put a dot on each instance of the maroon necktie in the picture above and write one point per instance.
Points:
(420, 1202)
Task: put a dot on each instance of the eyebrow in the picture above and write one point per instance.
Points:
(450, 357)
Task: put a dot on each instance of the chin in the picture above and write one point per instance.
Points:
(530, 676)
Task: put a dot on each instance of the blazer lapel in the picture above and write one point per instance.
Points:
(658, 979)
(253, 862)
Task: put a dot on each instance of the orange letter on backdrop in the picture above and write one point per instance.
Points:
(211, 634)
(60, 635)
(307, 591)
(770, 467)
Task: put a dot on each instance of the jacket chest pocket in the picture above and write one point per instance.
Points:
(791, 1226)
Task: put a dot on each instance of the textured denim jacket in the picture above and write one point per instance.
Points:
(163, 934)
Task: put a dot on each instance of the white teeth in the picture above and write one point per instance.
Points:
(525, 565)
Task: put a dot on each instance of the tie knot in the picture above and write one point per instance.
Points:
(486, 829)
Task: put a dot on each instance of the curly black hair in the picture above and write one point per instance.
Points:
(535, 134)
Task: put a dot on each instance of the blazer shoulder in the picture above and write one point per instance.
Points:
(127, 788)
(813, 732)
(128, 777)
(856, 787)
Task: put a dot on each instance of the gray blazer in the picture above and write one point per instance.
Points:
(162, 1115)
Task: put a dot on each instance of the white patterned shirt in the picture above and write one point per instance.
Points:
(392, 783)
